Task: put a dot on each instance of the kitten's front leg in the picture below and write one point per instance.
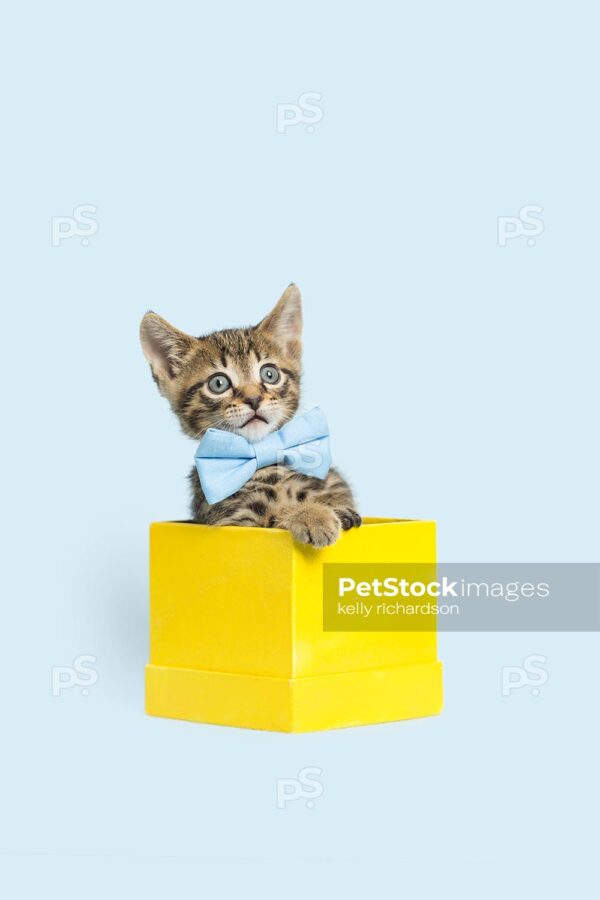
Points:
(310, 523)
(315, 511)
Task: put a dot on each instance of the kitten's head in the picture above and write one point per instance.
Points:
(245, 380)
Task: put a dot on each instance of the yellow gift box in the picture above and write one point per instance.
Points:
(237, 638)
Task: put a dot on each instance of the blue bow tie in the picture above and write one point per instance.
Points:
(226, 461)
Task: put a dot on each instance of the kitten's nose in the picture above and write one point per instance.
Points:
(254, 402)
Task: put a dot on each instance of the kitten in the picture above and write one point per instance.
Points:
(247, 380)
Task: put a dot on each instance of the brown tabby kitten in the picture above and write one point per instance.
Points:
(247, 380)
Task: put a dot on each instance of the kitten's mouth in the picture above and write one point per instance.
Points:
(255, 418)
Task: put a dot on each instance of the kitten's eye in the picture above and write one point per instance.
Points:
(218, 384)
(270, 374)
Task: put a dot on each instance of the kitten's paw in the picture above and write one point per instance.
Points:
(349, 518)
(315, 525)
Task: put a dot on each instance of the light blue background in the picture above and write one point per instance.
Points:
(474, 363)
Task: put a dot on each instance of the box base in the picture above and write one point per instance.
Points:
(296, 704)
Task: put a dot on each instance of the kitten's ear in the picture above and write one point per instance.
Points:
(284, 322)
(164, 346)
